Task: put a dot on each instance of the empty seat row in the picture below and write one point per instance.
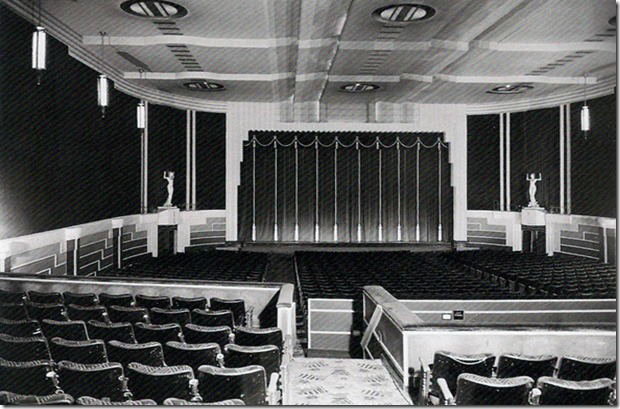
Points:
(222, 312)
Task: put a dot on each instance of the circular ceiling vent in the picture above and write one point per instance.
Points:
(612, 21)
(510, 89)
(359, 87)
(153, 9)
(204, 86)
(404, 13)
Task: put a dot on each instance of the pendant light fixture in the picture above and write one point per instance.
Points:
(585, 110)
(102, 83)
(141, 116)
(39, 47)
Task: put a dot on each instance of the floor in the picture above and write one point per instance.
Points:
(324, 381)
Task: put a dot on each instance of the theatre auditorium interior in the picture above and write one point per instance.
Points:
(308, 202)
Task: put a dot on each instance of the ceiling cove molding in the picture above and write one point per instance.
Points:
(605, 46)
(89, 58)
(259, 43)
(194, 75)
(509, 79)
(604, 87)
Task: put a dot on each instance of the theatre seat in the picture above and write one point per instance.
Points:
(150, 301)
(198, 334)
(267, 356)
(96, 380)
(183, 402)
(122, 300)
(160, 383)
(108, 331)
(29, 377)
(88, 401)
(13, 311)
(213, 318)
(45, 297)
(8, 398)
(83, 299)
(132, 315)
(555, 391)
(55, 312)
(20, 328)
(87, 313)
(24, 348)
(193, 355)
(248, 384)
(479, 390)
(81, 352)
(158, 333)
(237, 306)
(581, 368)
(71, 330)
(512, 365)
(189, 303)
(149, 353)
(12, 297)
(258, 336)
(179, 316)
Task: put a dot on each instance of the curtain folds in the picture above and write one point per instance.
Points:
(345, 179)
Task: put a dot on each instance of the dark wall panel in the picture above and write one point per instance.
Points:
(210, 160)
(483, 162)
(61, 164)
(594, 179)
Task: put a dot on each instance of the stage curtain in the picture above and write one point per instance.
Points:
(358, 182)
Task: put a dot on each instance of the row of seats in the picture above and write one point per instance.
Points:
(204, 265)
(9, 398)
(477, 379)
(559, 276)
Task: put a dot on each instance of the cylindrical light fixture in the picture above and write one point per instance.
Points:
(585, 110)
(39, 41)
(141, 115)
(102, 93)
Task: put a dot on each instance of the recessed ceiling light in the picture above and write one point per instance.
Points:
(153, 9)
(612, 21)
(359, 87)
(510, 89)
(403, 13)
(204, 86)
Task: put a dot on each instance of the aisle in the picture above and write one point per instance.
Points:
(323, 381)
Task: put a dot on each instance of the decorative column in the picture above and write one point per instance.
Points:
(439, 227)
(316, 190)
(359, 192)
(502, 193)
(399, 235)
(193, 204)
(188, 159)
(508, 161)
(380, 195)
(296, 234)
(417, 192)
(336, 191)
(254, 189)
(275, 193)
(144, 159)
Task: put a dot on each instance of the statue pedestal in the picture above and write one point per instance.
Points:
(167, 216)
(533, 216)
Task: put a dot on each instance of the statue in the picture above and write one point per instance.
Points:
(169, 176)
(533, 179)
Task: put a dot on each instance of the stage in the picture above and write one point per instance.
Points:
(291, 247)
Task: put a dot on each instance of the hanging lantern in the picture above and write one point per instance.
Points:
(141, 115)
(585, 117)
(39, 40)
(102, 93)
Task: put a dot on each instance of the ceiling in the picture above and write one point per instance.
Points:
(303, 51)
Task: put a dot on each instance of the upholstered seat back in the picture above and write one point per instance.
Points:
(573, 368)
(20, 328)
(8, 398)
(83, 299)
(237, 306)
(198, 334)
(160, 383)
(258, 336)
(511, 365)
(132, 315)
(248, 384)
(194, 355)
(268, 356)
(561, 392)
(71, 330)
(479, 390)
(449, 366)
(149, 353)
(56, 312)
(88, 401)
(45, 297)
(87, 313)
(150, 301)
(213, 318)
(26, 377)
(13, 311)
(170, 316)
(23, 348)
(83, 352)
(123, 300)
(189, 303)
(158, 333)
(120, 331)
(96, 380)
(12, 297)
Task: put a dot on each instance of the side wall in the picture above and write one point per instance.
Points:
(449, 119)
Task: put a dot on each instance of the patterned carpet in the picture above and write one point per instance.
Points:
(320, 381)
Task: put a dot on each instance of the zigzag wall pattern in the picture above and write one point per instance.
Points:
(480, 233)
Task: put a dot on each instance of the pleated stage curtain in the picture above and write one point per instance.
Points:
(345, 187)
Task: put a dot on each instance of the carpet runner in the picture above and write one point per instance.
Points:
(323, 381)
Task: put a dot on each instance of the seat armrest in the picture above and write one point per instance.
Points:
(249, 317)
(534, 396)
(126, 392)
(445, 395)
(193, 387)
(273, 394)
(220, 359)
(424, 385)
(53, 378)
(231, 337)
